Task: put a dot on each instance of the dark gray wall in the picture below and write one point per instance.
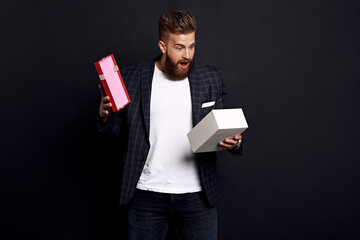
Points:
(293, 66)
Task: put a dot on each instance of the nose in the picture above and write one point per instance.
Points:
(186, 54)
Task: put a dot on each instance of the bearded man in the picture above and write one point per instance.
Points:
(162, 180)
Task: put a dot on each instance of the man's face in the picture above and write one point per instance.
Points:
(179, 53)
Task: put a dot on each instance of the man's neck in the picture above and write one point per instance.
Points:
(161, 63)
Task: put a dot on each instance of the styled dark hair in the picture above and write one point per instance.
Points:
(176, 22)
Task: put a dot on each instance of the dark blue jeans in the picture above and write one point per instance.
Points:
(150, 213)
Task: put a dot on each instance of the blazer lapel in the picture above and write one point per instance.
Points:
(146, 82)
(195, 89)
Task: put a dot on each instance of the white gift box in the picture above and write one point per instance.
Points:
(215, 127)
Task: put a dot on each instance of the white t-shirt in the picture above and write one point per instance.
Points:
(170, 166)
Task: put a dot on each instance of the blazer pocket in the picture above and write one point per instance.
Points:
(208, 104)
(206, 108)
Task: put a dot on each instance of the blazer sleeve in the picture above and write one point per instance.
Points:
(221, 103)
(114, 128)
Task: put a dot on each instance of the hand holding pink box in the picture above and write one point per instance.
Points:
(112, 82)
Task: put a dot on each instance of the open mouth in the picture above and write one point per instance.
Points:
(184, 65)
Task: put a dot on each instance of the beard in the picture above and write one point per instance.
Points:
(174, 72)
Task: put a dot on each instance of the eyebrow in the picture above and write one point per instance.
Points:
(182, 45)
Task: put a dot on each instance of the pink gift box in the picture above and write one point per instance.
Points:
(112, 82)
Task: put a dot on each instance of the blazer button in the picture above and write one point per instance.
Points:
(143, 159)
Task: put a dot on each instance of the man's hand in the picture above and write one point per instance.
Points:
(230, 143)
(105, 105)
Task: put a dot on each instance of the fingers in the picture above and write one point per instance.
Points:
(107, 105)
(104, 110)
(230, 143)
(105, 100)
(237, 137)
(104, 113)
(225, 145)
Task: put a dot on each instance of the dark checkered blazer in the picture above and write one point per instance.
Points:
(131, 124)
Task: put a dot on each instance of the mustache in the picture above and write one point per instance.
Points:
(185, 60)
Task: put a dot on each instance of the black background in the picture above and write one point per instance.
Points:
(293, 66)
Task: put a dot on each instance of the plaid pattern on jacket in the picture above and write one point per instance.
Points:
(131, 124)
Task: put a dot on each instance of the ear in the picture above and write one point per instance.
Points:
(162, 46)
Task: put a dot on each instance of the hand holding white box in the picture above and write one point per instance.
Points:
(215, 127)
